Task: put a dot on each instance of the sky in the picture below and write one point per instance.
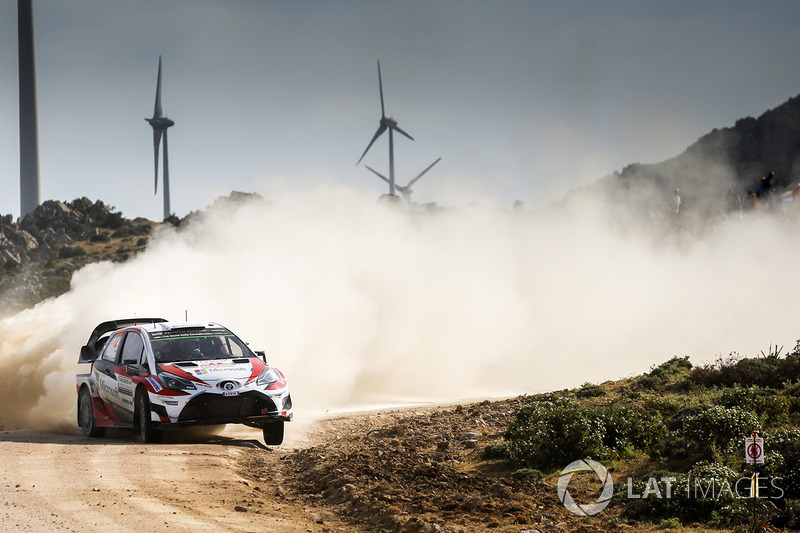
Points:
(521, 99)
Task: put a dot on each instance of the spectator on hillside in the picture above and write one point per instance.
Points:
(766, 189)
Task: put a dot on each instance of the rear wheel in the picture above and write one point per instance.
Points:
(273, 433)
(147, 431)
(86, 415)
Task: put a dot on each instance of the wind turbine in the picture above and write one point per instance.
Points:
(386, 123)
(160, 123)
(407, 190)
(29, 182)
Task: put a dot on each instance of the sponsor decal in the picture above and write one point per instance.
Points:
(125, 385)
(109, 391)
(155, 384)
(226, 369)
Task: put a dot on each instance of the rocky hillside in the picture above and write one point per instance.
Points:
(39, 253)
(716, 174)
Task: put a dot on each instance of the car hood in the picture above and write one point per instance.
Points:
(242, 370)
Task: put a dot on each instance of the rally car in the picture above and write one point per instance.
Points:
(151, 374)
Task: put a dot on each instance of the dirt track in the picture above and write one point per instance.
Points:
(57, 482)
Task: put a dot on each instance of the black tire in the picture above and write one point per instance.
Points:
(147, 432)
(273, 433)
(86, 415)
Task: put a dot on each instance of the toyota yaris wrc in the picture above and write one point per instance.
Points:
(151, 374)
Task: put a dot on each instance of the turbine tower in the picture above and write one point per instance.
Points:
(386, 123)
(160, 124)
(407, 190)
(29, 196)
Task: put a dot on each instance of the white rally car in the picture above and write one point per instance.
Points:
(151, 374)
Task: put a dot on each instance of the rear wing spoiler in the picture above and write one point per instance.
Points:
(89, 351)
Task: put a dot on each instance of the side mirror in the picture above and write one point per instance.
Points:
(87, 354)
(129, 361)
(262, 354)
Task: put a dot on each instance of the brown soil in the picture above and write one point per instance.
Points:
(418, 470)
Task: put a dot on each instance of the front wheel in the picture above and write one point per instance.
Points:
(273, 433)
(86, 415)
(147, 432)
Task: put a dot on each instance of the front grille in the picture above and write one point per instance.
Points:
(211, 407)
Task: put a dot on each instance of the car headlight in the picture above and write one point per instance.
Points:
(171, 381)
(267, 377)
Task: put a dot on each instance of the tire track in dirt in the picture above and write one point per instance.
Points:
(57, 482)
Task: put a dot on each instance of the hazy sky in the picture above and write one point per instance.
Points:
(520, 99)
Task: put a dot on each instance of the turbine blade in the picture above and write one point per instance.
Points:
(165, 180)
(157, 112)
(410, 183)
(381, 176)
(378, 133)
(380, 86)
(396, 128)
(156, 144)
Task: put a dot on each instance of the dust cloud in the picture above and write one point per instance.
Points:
(364, 303)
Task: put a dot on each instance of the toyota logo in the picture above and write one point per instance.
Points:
(229, 386)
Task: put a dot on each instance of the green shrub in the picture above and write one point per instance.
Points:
(552, 431)
(113, 221)
(665, 407)
(717, 427)
(628, 428)
(497, 450)
(664, 374)
(670, 523)
(792, 513)
(767, 371)
(782, 458)
(770, 407)
(589, 390)
(527, 474)
(707, 493)
(66, 252)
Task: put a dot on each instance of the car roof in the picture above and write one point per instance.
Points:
(168, 326)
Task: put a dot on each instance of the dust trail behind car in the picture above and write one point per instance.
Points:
(364, 303)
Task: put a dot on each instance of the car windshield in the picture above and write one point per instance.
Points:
(196, 344)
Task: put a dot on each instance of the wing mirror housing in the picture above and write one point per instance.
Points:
(87, 355)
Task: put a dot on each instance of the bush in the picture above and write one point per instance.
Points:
(715, 428)
(793, 513)
(783, 459)
(527, 474)
(66, 252)
(498, 450)
(670, 523)
(664, 374)
(588, 390)
(628, 428)
(706, 493)
(768, 371)
(552, 431)
(770, 407)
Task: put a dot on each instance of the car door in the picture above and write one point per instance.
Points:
(128, 360)
(106, 376)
